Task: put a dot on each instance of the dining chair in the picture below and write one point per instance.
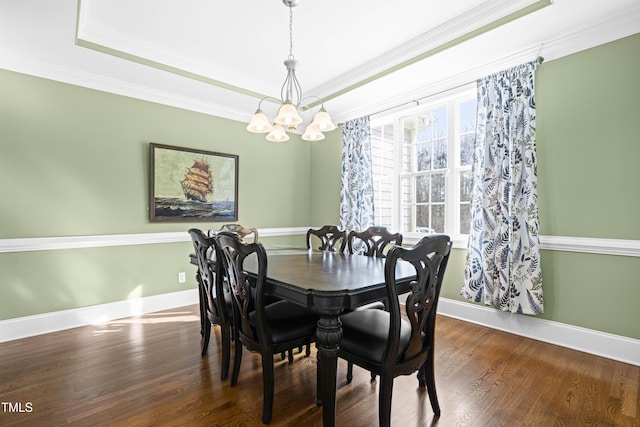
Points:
(243, 232)
(331, 238)
(267, 329)
(382, 342)
(240, 230)
(374, 241)
(215, 300)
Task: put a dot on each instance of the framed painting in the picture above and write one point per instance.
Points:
(192, 185)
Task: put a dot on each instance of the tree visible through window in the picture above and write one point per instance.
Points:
(422, 167)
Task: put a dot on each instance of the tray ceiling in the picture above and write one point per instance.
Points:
(357, 55)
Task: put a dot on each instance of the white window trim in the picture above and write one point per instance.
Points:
(448, 99)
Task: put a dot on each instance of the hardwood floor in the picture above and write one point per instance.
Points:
(147, 371)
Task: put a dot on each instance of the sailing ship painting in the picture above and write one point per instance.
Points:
(192, 185)
(198, 182)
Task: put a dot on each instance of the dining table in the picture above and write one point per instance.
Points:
(328, 283)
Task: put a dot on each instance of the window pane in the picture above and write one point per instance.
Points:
(407, 215)
(465, 186)
(467, 143)
(467, 131)
(424, 157)
(437, 187)
(465, 218)
(440, 154)
(440, 124)
(468, 116)
(437, 218)
(382, 166)
(422, 189)
(422, 217)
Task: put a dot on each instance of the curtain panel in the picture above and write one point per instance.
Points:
(503, 260)
(356, 192)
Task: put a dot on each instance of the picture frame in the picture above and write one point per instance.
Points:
(190, 185)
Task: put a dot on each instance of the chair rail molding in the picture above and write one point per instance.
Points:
(29, 244)
(554, 243)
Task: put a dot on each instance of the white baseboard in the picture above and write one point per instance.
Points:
(611, 346)
(27, 326)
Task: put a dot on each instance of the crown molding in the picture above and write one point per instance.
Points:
(19, 63)
(475, 22)
(613, 29)
(608, 31)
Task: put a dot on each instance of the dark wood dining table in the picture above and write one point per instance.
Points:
(328, 283)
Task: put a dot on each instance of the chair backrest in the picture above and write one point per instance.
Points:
(429, 257)
(247, 290)
(210, 273)
(239, 230)
(331, 238)
(373, 242)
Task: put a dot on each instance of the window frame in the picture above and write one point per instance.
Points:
(451, 99)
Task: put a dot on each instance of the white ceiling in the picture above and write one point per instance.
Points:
(360, 56)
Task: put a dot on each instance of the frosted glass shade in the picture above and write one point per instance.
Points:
(313, 133)
(288, 115)
(259, 123)
(323, 120)
(277, 134)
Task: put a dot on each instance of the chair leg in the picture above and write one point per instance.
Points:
(373, 377)
(427, 372)
(237, 359)
(201, 303)
(384, 400)
(268, 375)
(308, 352)
(349, 372)
(290, 356)
(206, 336)
(226, 351)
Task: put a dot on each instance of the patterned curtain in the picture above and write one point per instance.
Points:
(503, 259)
(356, 192)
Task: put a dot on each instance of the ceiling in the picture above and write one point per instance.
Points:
(357, 56)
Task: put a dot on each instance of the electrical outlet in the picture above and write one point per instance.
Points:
(182, 277)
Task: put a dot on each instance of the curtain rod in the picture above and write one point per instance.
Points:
(539, 60)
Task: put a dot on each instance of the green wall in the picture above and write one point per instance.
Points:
(74, 161)
(588, 175)
(589, 143)
(326, 161)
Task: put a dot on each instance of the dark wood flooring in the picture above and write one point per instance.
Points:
(147, 371)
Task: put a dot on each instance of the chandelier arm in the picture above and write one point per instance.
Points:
(307, 107)
(267, 98)
(285, 91)
(298, 89)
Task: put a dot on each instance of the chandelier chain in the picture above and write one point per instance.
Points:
(291, 32)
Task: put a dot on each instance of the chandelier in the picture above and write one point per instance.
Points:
(291, 101)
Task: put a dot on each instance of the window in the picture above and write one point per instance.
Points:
(421, 161)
